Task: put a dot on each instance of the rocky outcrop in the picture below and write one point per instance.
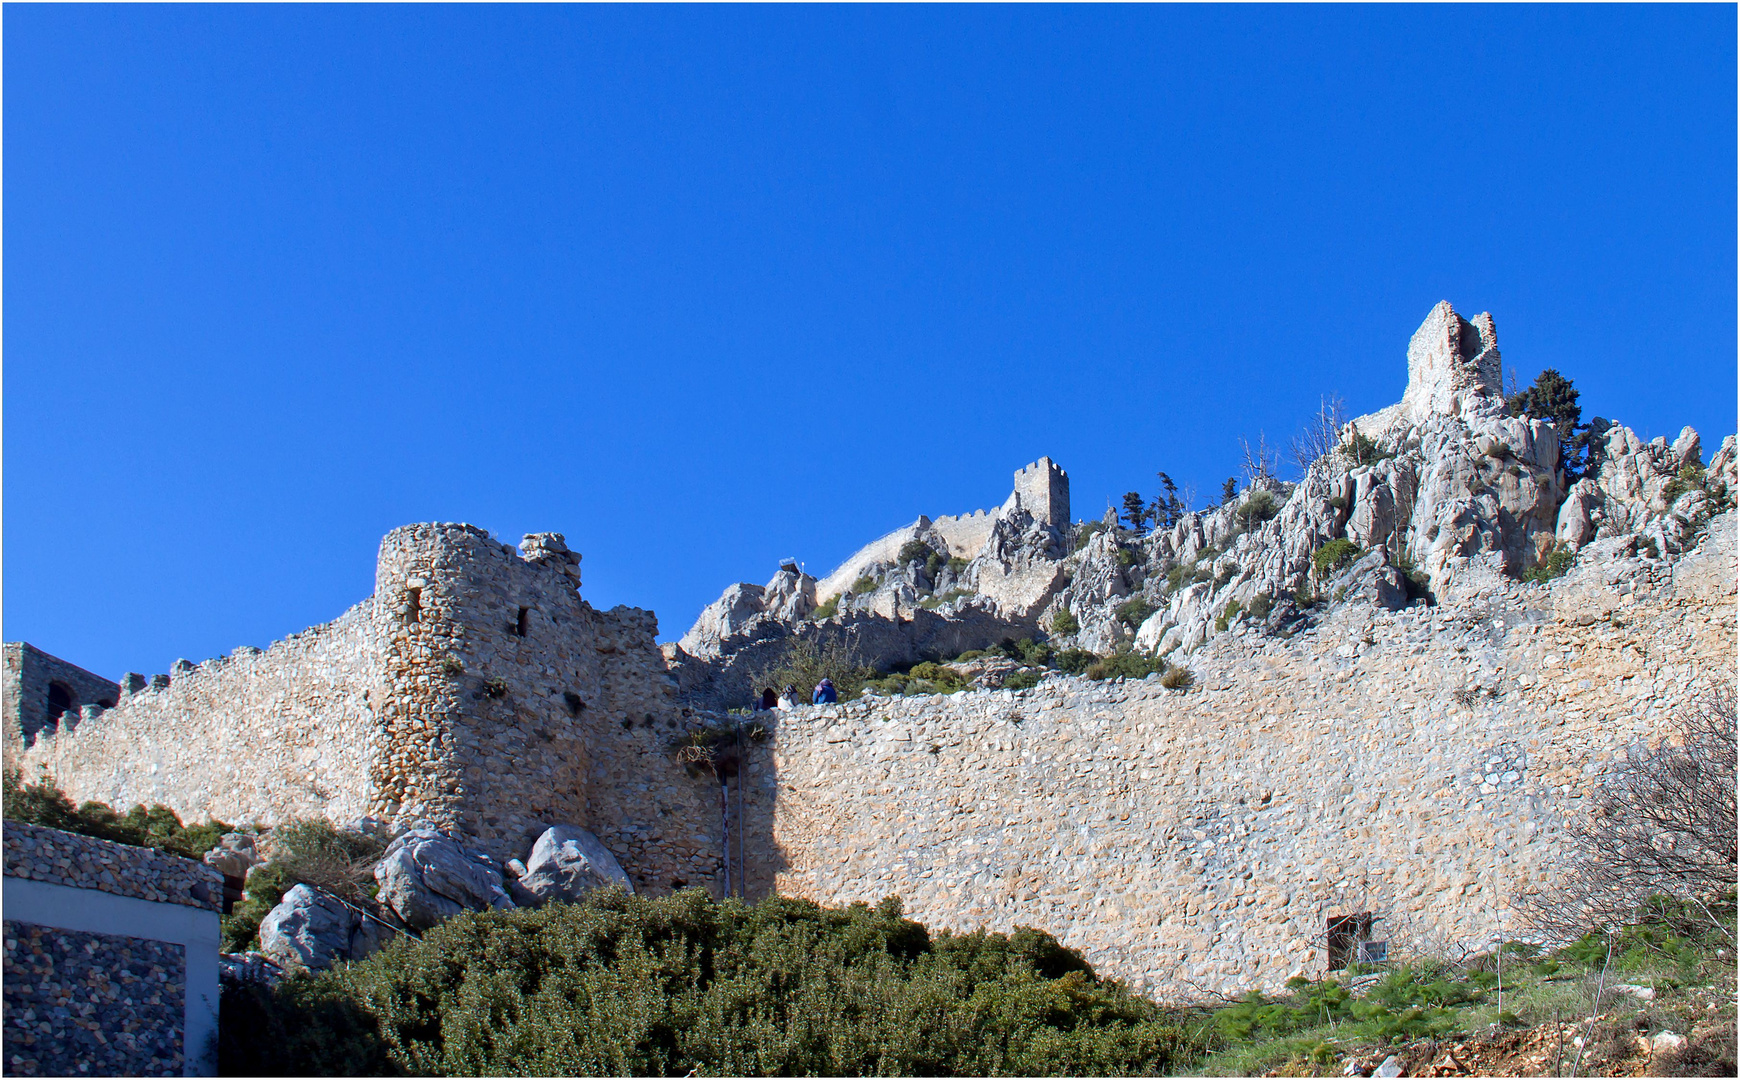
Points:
(566, 864)
(1439, 494)
(426, 877)
(311, 930)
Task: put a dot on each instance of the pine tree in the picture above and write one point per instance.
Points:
(1229, 491)
(1167, 508)
(1553, 398)
(1134, 510)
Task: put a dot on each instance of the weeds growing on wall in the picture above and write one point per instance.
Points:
(40, 802)
(622, 985)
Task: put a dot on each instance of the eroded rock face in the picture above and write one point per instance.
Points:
(426, 877)
(567, 863)
(314, 931)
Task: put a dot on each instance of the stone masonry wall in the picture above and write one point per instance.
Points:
(1416, 764)
(38, 853)
(257, 735)
(82, 1003)
(28, 674)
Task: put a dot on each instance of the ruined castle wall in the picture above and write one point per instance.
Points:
(965, 534)
(482, 650)
(1418, 764)
(29, 674)
(255, 736)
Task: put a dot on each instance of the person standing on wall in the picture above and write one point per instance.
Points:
(824, 694)
(788, 697)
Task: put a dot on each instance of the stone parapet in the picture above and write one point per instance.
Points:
(39, 853)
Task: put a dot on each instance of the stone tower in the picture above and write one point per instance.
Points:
(1042, 489)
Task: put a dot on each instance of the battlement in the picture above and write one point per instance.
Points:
(1042, 489)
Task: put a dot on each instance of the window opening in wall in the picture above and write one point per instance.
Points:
(413, 605)
(520, 626)
(60, 699)
(1345, 935)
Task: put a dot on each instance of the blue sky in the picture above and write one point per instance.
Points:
(703, 288)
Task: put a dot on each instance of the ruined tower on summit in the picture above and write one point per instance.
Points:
(1042, 489)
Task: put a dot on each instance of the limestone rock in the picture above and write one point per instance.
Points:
(313, 931)
(426, 877)
(234, 855)
(566, 863)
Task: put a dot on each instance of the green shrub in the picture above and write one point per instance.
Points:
(495, 687)
(1338, 501)
(1259, 506)
(957, 564)
(863, 585)
(452, 665)
(970, 654)
(914, 551)
(1362, 451)
(42, 803)
(1303, 596)
(946, 680)
(1135, 610)
(1028, 651)
(1261, 604)
(1075, 661)
(1022, 680)
(1334, 555)
(1179, 575)
(1085, 533)
(1064, 623)
(1690, 478)
(805, 664)
(1498, 451)
(1128, 557)
(622, 985)
(1127, 665)
(1558, 561)
(1227, 615)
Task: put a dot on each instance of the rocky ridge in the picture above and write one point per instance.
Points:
(1433, 499)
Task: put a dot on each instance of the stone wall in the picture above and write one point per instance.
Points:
(28, 679)
(255, 736)
(1417, 764)
(1042, 489)
(38, 853)
(102, 1004)
(110, 958)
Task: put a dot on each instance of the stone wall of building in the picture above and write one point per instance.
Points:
(259, 735)
(97, 1004)
(110, 957)
(28, 684)
(56, 857)
(1419, 765)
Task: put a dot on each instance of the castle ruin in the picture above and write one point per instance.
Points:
(1381, 754)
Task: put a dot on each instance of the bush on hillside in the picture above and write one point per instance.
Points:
(1076, 661)
(1556, 564)
(40, 802)
(1064, 622)
(915, 551)
(1333, 556)
(624, 985)
(806, 664)
(1134, 611)
(1127, 665)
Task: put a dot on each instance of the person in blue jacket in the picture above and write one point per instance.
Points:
(824, 694)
